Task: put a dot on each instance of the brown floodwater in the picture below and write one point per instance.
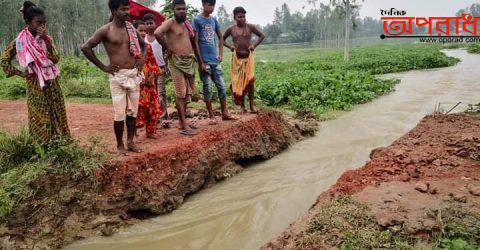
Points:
(255, 206)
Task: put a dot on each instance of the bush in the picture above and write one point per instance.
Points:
(473, 48)
(22, 162)
(329, 84)
(15, 150)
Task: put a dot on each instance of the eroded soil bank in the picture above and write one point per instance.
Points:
(69, 208)
(423, 190)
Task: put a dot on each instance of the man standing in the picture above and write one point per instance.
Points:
(149, 20)
(207, 37)
(176, 35)
(243, 62)
(126, 55)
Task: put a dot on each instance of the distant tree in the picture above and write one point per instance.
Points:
(286, 18)
(146, 2)
(277, 17)
(474, 10)
(272, 32)
(224, 19)
(347, 7)
(168, 10)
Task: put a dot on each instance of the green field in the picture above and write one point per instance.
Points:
(299, 78)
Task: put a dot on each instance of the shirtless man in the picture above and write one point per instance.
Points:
(177, 37)
(243, 62)
(126, 54)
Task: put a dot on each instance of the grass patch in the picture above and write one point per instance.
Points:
(461, 229)
(22, 161)
(327, 83)
(347, 224)
(454, 46)
(473, 48)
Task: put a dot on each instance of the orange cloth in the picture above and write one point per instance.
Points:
(149, 110)
(243, 76)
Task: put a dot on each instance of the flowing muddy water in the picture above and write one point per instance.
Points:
(250, 209)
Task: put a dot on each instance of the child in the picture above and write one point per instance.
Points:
(149, 110)
(157, 48)
(206, 29)
(243, 61)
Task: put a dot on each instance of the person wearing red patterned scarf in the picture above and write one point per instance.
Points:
(149, 110)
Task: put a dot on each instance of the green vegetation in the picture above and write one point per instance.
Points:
(461, 229)
(79, 78)
(22, 162)
(473, 48)
(348, 224)
(326, 83)
(291, 77)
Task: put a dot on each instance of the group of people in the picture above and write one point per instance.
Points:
(140, 55)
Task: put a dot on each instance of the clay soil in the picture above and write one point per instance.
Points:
(137, 186)
(405, 187)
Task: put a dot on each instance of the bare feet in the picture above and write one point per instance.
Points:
(229, 118)
(253, 110)
(121, 150)
(244, 111)
(165, 124)
(152, 136)
(188, 132)
(133, 148)
(212, 121)
(193, 125)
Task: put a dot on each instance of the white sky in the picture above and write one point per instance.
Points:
(261, 11)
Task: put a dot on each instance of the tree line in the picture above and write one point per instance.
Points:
(71, 22)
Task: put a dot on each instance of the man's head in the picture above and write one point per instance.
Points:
(208, 6)
(239, 14)
(34, 16)
(179, 10)
(120, 9)
(141, 27)
(149, 20)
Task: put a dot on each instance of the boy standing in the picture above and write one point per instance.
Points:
(243, 61)
(207, 35)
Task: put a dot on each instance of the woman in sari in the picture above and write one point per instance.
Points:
(35, 53)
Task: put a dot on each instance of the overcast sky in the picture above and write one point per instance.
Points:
(261, 11)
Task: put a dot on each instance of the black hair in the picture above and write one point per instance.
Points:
(148, 17)
(212, 2)
(177, 2)
(137, 23)
(27, 4)
(30, 10)
(115, 4)
(239, 10)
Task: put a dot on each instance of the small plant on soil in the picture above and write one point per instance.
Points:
(473, 48)
(461, 229)
(22, 161)
(348, 224)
